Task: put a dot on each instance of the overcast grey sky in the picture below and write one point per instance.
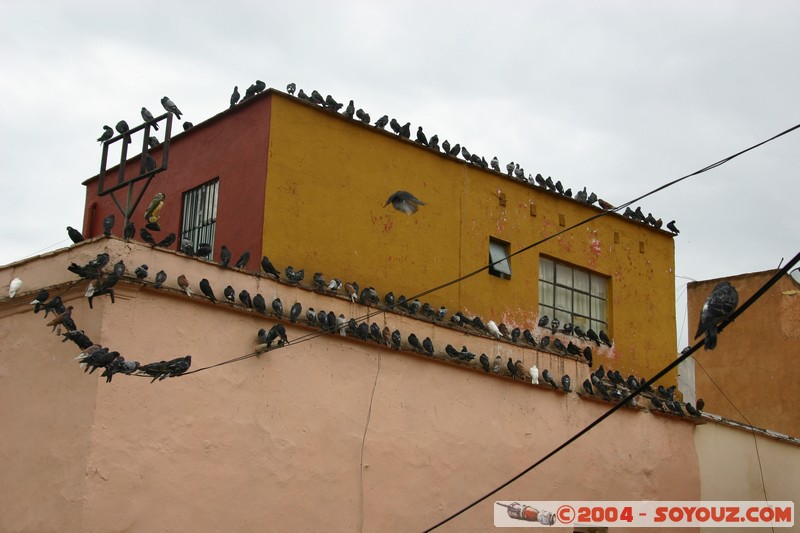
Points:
(618, 96)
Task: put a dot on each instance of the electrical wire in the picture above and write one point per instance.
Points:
(686, 354)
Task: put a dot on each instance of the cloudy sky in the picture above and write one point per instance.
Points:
(618, 96)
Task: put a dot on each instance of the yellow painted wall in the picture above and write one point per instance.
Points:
(328, 178)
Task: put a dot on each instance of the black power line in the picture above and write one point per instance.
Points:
(758, 294)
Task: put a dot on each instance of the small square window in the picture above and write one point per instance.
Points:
(499, 264)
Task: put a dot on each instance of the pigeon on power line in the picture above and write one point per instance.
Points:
(170, 106)
(108, 132)
(717, 307)
(147, 116)
(404, 201)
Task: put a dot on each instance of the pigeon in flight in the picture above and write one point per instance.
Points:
(107, 134)
(717, 307)
(170, 106)
(404, 201)
(147, 116)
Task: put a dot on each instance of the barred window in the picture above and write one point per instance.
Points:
(498, 254)
(200, 214)
(573, 295)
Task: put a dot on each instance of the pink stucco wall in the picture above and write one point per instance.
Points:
(331, 434)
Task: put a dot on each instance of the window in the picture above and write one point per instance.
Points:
(200, 214)
(498, 254)
(573, 295)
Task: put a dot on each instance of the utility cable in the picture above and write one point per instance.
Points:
(686, 354)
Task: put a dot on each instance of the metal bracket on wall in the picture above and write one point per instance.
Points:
(148, 166)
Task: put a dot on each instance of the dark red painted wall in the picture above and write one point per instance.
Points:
(232, 146)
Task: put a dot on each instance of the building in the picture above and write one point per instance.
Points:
(282, 177)
(756, 357)
(330, 432)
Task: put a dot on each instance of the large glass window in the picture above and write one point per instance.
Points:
(200, 214)
(573, 295)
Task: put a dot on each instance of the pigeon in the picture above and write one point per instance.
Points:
(441, 313)
(493, 329)
(294, 276)
(129, 231)
(153, 141)
(433, 143)
(294, 312)
(632, 383)
(108, 225)
(717, 307)
(599, 385)
(330, 103)
(259, 304)
(376, 333)
(161, 277)
(170, 106)
(455, 150)
(405, 131)
(317, 98)
(235, 96)
(370, 296)
(658, 404)
(587, 386)
(147, 237)
(701, 404)
(545, 342)
(183, 283)
(593, 336)
(74, 235)
(319, 281)
(291, 88)
(578, 331)
(421, 138)
(465, 354)
(427, 345)
(141, 271)
(203, 249)
(396, 339)
(122, 127)
(452, 352)
(230, 294)
(465, 153)
(205, 288)
(676, 408)
(269, 268)
(497, 365)
(565, 383)
(147, 116)
(14, 287)
(415, 344)
(515, 335)
(108, 132)
(604, 338)
(495, 164)
(335, 284)
(187, 247)
(692, 411)
(40, 299)
(414, 306)
(243, 259)
(119, 366)
(224, 256)
(559, 346)
(382, 122)
(404, 201)
(548, 378)
(350, 110)
(512, 368)
(484, 361)
(534, 372)
(528, 336)
(352, 291)
(302, 95)
(554, 324)
(322, 319)
(573, 349)
(362, 331)
(277, 307)
(446, 146)
(97, 359)
(543, 321)
(520, 369)
(671, 226)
